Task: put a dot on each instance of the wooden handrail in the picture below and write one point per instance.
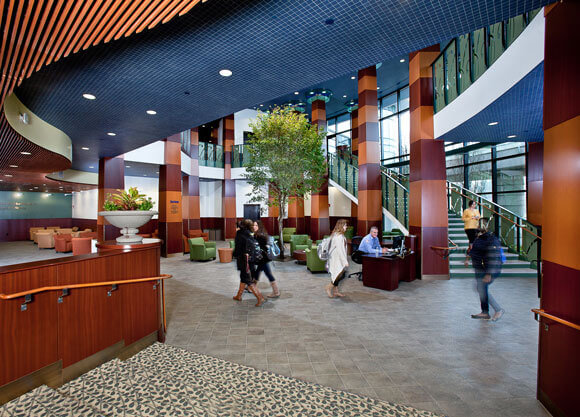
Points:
(91, 284)
(502, 216)
(557, 319)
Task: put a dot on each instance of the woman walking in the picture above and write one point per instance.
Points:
(471, 220)
(337, 259)
(245, 244)
(266, 242)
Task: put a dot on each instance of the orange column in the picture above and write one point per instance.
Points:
(111, 179)
(273, 213)
(191, 210)
(170, 217)
(558, 365)
(354, 131)
(319, 214)
(427, 193)
(296, 215)
(229, 188)
(369, 170)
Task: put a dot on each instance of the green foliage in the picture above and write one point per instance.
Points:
(128, 200)
(285, 154)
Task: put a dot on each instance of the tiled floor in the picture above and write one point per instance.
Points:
(416, 345)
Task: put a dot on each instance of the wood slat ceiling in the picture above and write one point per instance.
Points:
(36, 33)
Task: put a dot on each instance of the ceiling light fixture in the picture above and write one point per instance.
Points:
(296, 93)
(25, 153)
(151, 112)
(89, 96)
(127, 166)
(493, 123)
(111, 134)
(344, 96)
(84, 148)
(7, 175)
(402, 60)
(353, 78)
(261, 105)
(13, 166)
(511, 136)
(378, 88)
(91, 167)
(226, 73)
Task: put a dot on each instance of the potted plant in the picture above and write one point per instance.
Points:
(128, 210)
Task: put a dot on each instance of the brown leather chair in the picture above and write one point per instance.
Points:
(81, 245)
(91, 235)
(64, 231)
(45, 240)
(185, 245)
(198, 233)
(63, 242)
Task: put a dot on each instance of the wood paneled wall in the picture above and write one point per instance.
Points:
(319, 222)
(87, 321)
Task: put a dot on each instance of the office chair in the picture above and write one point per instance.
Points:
(356, 255)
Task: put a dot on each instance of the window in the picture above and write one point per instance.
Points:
(389, 105)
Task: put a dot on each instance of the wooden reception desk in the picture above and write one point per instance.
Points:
(385, 273)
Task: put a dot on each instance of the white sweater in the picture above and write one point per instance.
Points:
(337, 260)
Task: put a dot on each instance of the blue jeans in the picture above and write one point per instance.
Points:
(485, 297)
(267, 270)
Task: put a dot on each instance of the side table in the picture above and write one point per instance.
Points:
(225, 254)
(300, 256)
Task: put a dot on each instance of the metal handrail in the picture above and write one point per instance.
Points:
(161, 278)
(539, 312)
(386, 172)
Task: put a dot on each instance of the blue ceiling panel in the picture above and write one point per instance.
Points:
(273, 47)
(519, 112)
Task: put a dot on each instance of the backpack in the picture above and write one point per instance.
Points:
(255, 254)
(323, 249)
(273, 249)
(502, 255)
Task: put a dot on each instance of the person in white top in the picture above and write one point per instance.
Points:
(337, 258)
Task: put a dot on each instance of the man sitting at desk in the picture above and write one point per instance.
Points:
(370, 243)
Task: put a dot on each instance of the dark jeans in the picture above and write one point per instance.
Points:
(339, 278)
(267, 270)
(485, 297)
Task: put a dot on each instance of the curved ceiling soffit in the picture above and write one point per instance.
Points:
(39, 33)
(75, 176)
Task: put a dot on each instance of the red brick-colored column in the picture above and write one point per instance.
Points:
(369, 170)
(170, 217)
(319, 214)
(427, 199)
(354, 131)
(535, 179)
(559, 362)
(191, 210)
(273, 213)
(111, 179)
(296, 215)
(229, 188)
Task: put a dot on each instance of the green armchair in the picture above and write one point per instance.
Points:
(313, 262)
(299, 242)
(349, 234)
(200, 250)
(232, 244)
(394, 232)
(287, 232)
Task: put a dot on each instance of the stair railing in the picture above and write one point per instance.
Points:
(344, 173)
(395, 195)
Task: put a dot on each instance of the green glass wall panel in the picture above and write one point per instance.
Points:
(450, 72)
(496, 44)
(236, 163)
(219, 156)
(439, 84)
(23, 205)
(210, 155)
(515, 26)
(202, 154)
(478, 63)
(464, 62)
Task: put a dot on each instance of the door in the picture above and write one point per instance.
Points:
(252, 211)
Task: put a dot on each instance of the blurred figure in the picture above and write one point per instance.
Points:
(266, 243)
(486, 258)
(244, 251)
(337, 259)
(470, 219)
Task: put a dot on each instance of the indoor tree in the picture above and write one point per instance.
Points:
(286, 156)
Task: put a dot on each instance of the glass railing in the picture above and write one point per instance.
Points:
(240, 156)
(344, 173)
(519, 235)
(395, 189)
(468, 56)
(211, 155)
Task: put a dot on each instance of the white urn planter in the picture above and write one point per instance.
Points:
(129, 222)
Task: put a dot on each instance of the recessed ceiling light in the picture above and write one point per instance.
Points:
(84, 148)
(91, 166)
(89, 96)
(7, 175)
(511, 136)
(261, 105)
(353, 78)
(151, 112)
(296, 93)
(202, 125)
(226, 73)
(36, 188)
(402, 60)
(157, 172)
(25, 153)
(378, 88)
(30, 189)
(111, 134)
(127, 166)
(493, 123)
(13, 166)
(344, 96)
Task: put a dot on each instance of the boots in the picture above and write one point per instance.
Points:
(275, 290)
(254, 289)
(238, 296)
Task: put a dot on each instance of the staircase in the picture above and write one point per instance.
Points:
(167, 381)
(513, 267)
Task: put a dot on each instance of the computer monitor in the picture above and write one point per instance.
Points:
(398, 241)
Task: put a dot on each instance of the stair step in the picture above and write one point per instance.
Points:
(508, 273)
(461, 256)
(510, 264)
(44, 401)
